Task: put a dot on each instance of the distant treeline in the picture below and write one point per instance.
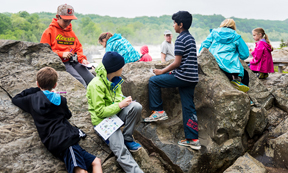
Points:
(139, 30)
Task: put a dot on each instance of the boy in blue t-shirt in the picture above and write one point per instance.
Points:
(184, 76)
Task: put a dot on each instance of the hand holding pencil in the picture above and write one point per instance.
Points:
(126, 102)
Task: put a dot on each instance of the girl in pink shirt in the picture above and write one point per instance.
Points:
(262, 62)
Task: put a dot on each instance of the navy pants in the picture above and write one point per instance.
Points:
(186, 90)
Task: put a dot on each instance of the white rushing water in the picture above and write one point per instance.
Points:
(155, 52)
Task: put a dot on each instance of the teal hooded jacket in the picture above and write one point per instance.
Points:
(103, 99)
(227, 47)
(119, 44)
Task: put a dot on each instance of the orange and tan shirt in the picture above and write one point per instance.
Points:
(62, 40)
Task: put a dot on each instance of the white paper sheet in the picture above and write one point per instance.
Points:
(108, 126)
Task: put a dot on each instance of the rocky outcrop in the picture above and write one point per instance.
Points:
(223, 113)
(20, 146)
(280, 53)
(226, 119)
(246, 164)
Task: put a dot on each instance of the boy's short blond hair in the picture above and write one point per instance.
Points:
(229, 23)
(47, 78)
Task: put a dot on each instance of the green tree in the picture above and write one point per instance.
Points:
(5, 23)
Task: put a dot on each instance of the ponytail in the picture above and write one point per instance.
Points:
(264, 35)
(104, 35)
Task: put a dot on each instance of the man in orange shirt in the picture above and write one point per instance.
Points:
(63, 41)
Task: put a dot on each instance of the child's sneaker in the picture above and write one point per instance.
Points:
(261, 76)
(240, 86)
(190, 143)
(156, 116)
(132, 146)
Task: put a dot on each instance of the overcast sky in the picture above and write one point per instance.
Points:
(251, 9)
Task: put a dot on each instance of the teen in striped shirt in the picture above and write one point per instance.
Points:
(184, 76)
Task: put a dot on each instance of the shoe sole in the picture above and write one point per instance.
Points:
(191, 146)
(244, 88)
(241, 87)
(133, 151)
(161, 118)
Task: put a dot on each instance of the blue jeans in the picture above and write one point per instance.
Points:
(186, 90)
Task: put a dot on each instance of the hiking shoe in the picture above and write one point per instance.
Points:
(156, 116)
(240, 86)
(251, 103)
(263, 75)
(194, 145)
(132, 146)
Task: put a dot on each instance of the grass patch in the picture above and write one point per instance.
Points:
(276, 70)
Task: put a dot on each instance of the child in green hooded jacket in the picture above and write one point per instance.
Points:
(105, 99)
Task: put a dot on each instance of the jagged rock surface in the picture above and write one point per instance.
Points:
(222, 111)
(20, 146)
(223, 115)
(246, 164)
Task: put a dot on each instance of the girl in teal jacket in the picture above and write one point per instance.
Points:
(117, 43)
(227, 47)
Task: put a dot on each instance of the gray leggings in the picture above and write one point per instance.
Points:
(80, 72)
(130, 116)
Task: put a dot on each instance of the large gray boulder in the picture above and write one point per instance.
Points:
(279, 150)
(246, 164)
(223, 113)
(20, 146)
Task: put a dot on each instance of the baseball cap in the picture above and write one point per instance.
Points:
(167, 32)
(66, 12)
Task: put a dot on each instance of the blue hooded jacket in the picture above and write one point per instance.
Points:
(120, 45)
(227, 47)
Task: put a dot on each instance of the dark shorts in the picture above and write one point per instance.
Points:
(75, 156)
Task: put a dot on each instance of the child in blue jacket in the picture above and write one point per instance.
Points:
(227, 47)
(117, 43)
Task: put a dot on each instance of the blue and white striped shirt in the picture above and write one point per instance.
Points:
(185, 46)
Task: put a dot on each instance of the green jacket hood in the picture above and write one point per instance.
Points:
(101, 71)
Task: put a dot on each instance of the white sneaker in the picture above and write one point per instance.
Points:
(156, 116)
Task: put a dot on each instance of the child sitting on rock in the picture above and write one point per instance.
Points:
(184, 76)
(50, 113)
(227, 47)
(262, 61)
(145, 56)
(105, 99)
(63, 41)
(117, 43)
